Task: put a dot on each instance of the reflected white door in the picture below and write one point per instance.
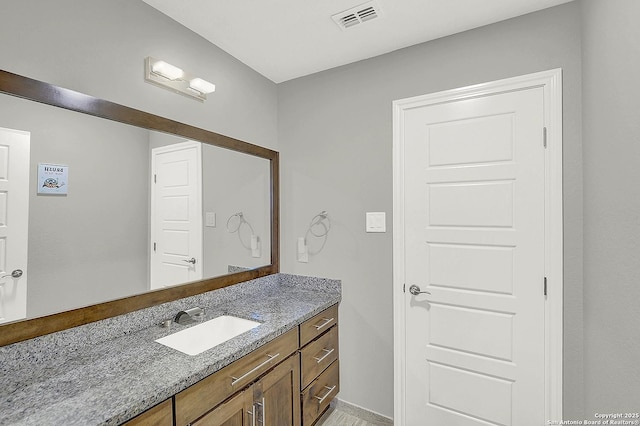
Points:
(474, 217)
(176, 214)
(14, 221)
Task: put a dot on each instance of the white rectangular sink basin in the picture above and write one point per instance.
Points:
(199, 338)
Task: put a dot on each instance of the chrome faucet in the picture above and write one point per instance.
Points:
(189, 315)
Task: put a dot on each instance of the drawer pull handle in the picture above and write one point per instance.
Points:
(252, 413)
(330, 389)
(264, 412)
(237, 379)
(328, 352)
(324, 324)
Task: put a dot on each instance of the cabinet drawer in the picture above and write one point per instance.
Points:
(317, 325)
(316, 398)
(160, 415)
(318, 355)
(198, 399)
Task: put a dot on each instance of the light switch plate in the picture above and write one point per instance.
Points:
(302, 251)
(210, 219)
(376, 222)
(255, 246)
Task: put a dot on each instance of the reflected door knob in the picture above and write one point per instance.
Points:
(415, 290)
(17, 273)
(191, 261)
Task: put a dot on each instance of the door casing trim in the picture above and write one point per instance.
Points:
(551, 83)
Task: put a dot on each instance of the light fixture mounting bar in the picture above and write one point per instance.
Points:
(183, 85)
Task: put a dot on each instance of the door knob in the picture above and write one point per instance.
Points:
(191, 261)
(415, 290)
(17, 273)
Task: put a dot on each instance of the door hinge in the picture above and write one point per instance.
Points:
(544, 136)
(154, 247)
(155, 178)
(404, 288)
(545, 286)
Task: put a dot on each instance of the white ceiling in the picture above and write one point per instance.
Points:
(286, 39)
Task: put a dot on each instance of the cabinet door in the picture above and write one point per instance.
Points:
(237, 411)
(160, 415)
(277, 395)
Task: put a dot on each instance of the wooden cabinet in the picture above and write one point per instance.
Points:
(160, 415)
(197, 400)
(320, 368)
(273, 400)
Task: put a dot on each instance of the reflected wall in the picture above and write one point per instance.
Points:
(93, 244)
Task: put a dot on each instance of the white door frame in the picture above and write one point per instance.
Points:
(551, 82)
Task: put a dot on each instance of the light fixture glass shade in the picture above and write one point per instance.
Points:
(202, 86)
(167, 70)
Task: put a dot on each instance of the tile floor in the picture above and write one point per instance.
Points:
(339, 418)
(335, 416)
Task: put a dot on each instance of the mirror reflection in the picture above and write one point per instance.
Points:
(137, 210)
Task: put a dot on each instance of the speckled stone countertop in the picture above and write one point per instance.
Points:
(107, 372)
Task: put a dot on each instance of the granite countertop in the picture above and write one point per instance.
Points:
(80, 379)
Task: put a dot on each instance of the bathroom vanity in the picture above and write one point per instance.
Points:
(264, 386)
(283, 372)
(270, 395)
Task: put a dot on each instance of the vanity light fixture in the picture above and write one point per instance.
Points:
(202, 86)
(175, 79)
(166, 70)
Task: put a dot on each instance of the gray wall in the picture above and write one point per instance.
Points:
(80, 242)
(232, 183)
(611, 128)
(98, 47)
(335, 136)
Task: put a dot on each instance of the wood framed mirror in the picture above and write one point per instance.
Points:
(36, 92)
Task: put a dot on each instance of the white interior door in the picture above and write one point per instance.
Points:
(176, 214)
(474, 215)
(14, 222)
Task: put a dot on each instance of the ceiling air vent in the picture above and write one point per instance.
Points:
(357, 15)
